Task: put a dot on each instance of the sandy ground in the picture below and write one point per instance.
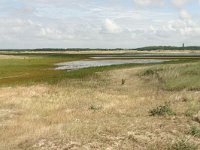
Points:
(95, 113)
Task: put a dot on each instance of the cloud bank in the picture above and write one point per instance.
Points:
(98, 24)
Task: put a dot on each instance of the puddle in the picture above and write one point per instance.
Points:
(74, 65)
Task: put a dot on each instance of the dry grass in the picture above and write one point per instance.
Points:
(94, 114)
(12, 57)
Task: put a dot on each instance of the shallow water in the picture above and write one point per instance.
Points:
(168, 55)
(146, 55)
(74, 65)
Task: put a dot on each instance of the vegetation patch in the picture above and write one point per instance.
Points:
(148, 72)
(191, 112)
(175, 77)
(193, 109)
(196, 117)
(162, 111)
(183, 145)
(195, 131)
(123, 81)
(95, 107)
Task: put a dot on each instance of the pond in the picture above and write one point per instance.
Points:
(74, 65)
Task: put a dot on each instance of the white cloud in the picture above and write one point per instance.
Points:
(185, 15)
(51, 33)
(182, 27)
(179, 3)
(111, 27)
(75, 23)
(150, 2)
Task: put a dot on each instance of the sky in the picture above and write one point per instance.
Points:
(98, 23)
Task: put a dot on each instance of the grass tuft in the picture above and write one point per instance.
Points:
(148, 72)
(95, 107)
(175, 77)
(161, 111)
(195, 131)
(123, 81)
(183, 145)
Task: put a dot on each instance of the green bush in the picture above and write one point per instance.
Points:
(161, 111)
(195, 131)
(189, 113)
(148, 72)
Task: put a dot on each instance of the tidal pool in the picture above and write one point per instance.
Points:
(74, 65)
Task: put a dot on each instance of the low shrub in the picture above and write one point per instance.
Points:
(195, 131)
(95, 107)
(161, 111)
(123, 81)
(148, 72)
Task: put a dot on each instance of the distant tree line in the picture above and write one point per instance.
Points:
(149, 48)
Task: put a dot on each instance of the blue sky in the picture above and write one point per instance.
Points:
(98, 23)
